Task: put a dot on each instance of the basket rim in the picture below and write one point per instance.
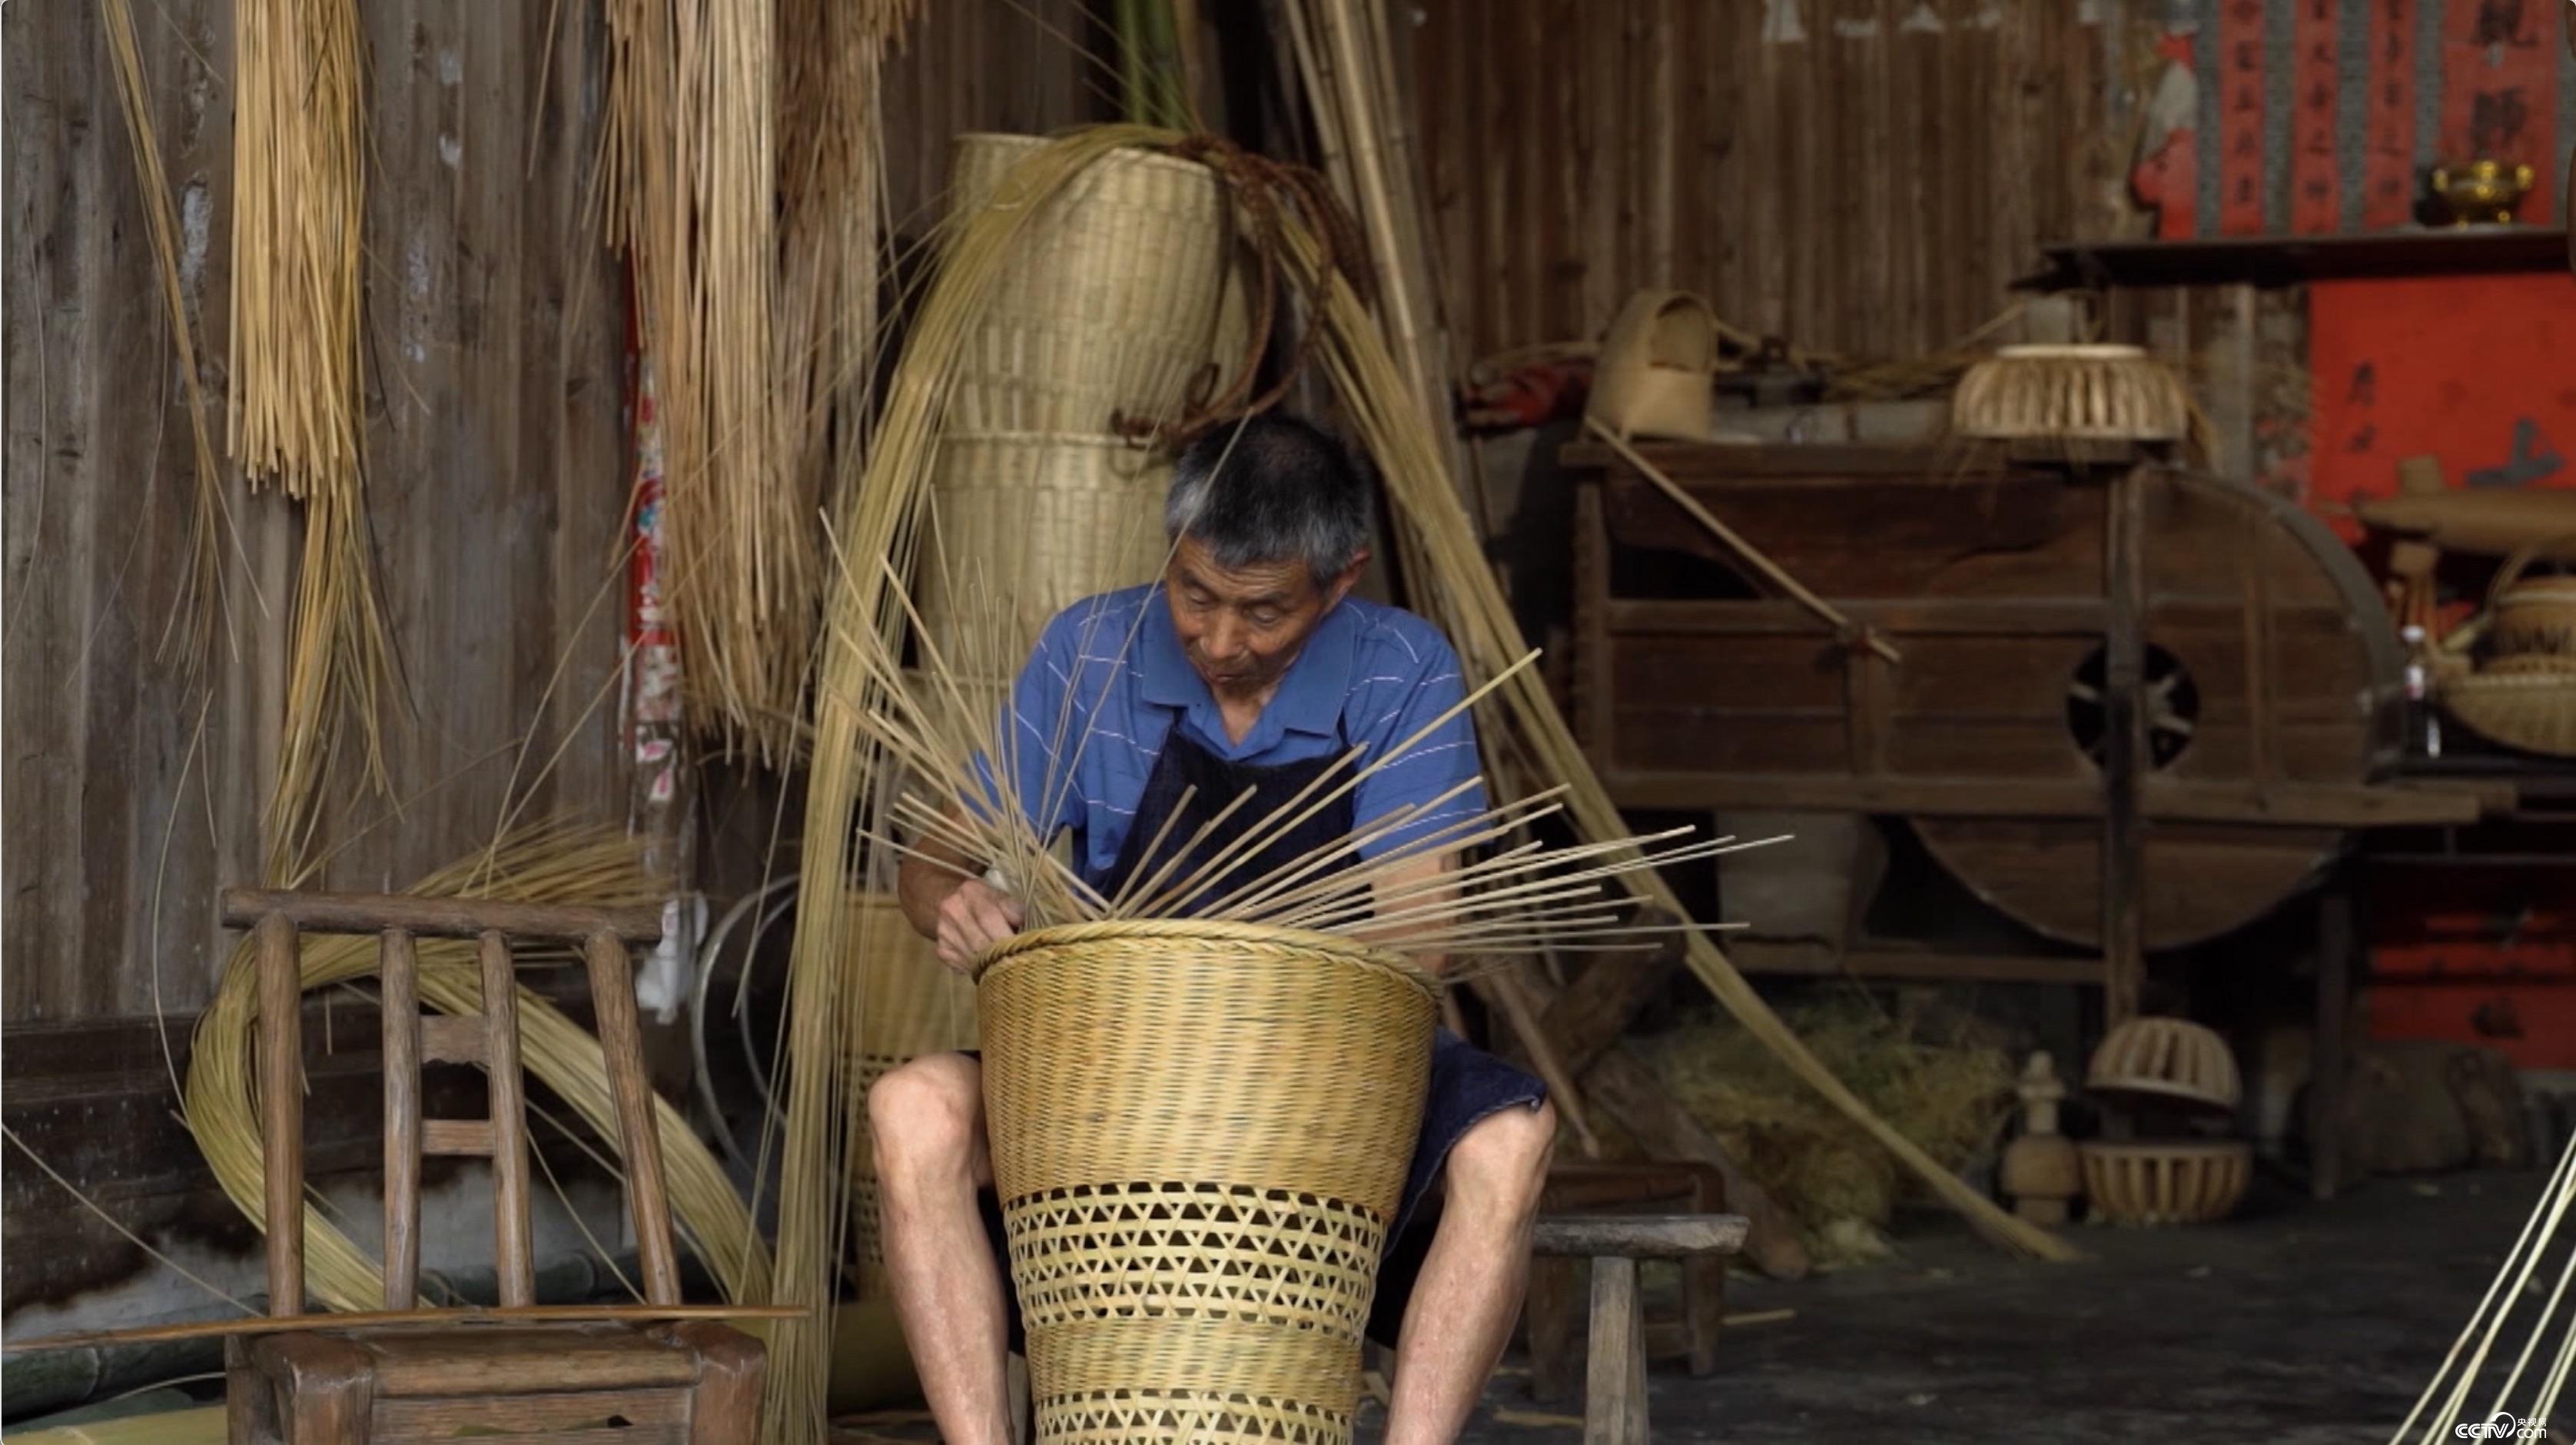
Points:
(1178, 929)
(2063, 351)
(1139, 154)
(2165, 1148)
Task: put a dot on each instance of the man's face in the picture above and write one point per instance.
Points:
(1242, 626)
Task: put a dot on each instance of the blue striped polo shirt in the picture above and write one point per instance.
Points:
(1108, 682)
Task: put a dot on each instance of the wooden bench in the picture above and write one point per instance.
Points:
(1614, 1405)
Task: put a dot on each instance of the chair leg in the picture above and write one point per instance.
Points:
(327, 1388)
(1614, 1408)
(1550, 1312)
(724, 1405)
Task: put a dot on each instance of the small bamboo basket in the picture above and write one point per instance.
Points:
(1200, 1135)
(910, 1004)
(1117, 300)
(2175, 1182)
(1035, 523)
(2079, 393)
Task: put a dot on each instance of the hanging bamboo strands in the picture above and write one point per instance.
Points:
(298, 197)
(540, 865)
(202, 603)
(741, 174)
(2547, 1340)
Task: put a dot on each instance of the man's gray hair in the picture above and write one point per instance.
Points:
(1271, 489)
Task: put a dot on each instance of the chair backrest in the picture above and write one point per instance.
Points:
(490, 1040)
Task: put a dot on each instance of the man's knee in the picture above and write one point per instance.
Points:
(1502, 1160)
(925, 1114)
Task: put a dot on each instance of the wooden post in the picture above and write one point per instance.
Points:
(2124, 752)
(281, 1089)
(398, 992)
(1614, 1410)
(2335, 945)
(514, 1250)
(621, 1040)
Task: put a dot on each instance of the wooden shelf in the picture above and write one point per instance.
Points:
(2287, 261)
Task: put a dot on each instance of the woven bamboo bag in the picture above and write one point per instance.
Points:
(1116, 302)
(1200, 1135)
(910, 1004)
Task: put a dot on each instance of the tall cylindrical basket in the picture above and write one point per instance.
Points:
(1200, 1134)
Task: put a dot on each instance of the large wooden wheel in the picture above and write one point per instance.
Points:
(2270, 661)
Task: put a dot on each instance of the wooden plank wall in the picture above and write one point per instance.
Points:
(496, 445)
(1861, 176)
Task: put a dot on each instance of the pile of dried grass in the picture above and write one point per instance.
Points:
(1945, 1085)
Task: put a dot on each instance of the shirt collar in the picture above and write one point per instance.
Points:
(1309, 699)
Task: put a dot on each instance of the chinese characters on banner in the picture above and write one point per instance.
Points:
(2388, 145)
(2240, 118)
(2316, 185)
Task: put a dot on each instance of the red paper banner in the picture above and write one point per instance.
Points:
(2389, 183)
(2316, 188)
(2500, 93)
(2240, 118)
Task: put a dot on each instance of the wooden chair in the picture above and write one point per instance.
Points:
(696, 1382)
(1555, 1285)
(1614, 1397)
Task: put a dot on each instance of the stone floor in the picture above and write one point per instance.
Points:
(2295, 1322)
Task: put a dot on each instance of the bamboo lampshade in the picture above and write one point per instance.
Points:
(1200, 1135)
(1114, 306)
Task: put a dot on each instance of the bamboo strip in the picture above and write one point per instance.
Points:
(380, 1319)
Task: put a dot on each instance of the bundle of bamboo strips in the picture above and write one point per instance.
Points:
(741, 177)
(201, 602)
(299, 194)
(541, 865)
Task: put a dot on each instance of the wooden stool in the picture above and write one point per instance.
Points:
(697, 1382)
(1554, 1306)
(1614, 1404)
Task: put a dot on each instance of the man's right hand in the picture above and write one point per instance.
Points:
(972, 918)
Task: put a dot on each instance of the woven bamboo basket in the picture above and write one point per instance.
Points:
(1200, 1134)
(910, 1004)
(1652, 378)
(2167, 1058)
(1031, 524)
(2091, 393)
(2531, 616)
(1116, 302)
(2526, 702)
(2176, 1182)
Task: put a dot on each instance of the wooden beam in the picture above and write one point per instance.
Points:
(1696, 461)
(1753, 956)
(437, 917)
(2303, 805)
(370, 1319)
(2124, 747)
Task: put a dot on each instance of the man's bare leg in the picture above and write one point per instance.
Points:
(1469, 1291)
(928, 1120)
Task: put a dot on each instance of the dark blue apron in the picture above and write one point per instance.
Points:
(1466, 1082)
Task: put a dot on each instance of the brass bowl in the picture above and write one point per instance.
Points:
(2482, 193)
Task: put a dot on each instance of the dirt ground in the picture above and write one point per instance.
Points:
(2297, 1321)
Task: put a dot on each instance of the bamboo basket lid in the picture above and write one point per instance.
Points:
(2166, 1058)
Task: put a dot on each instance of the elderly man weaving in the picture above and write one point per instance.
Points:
(1250, 667)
